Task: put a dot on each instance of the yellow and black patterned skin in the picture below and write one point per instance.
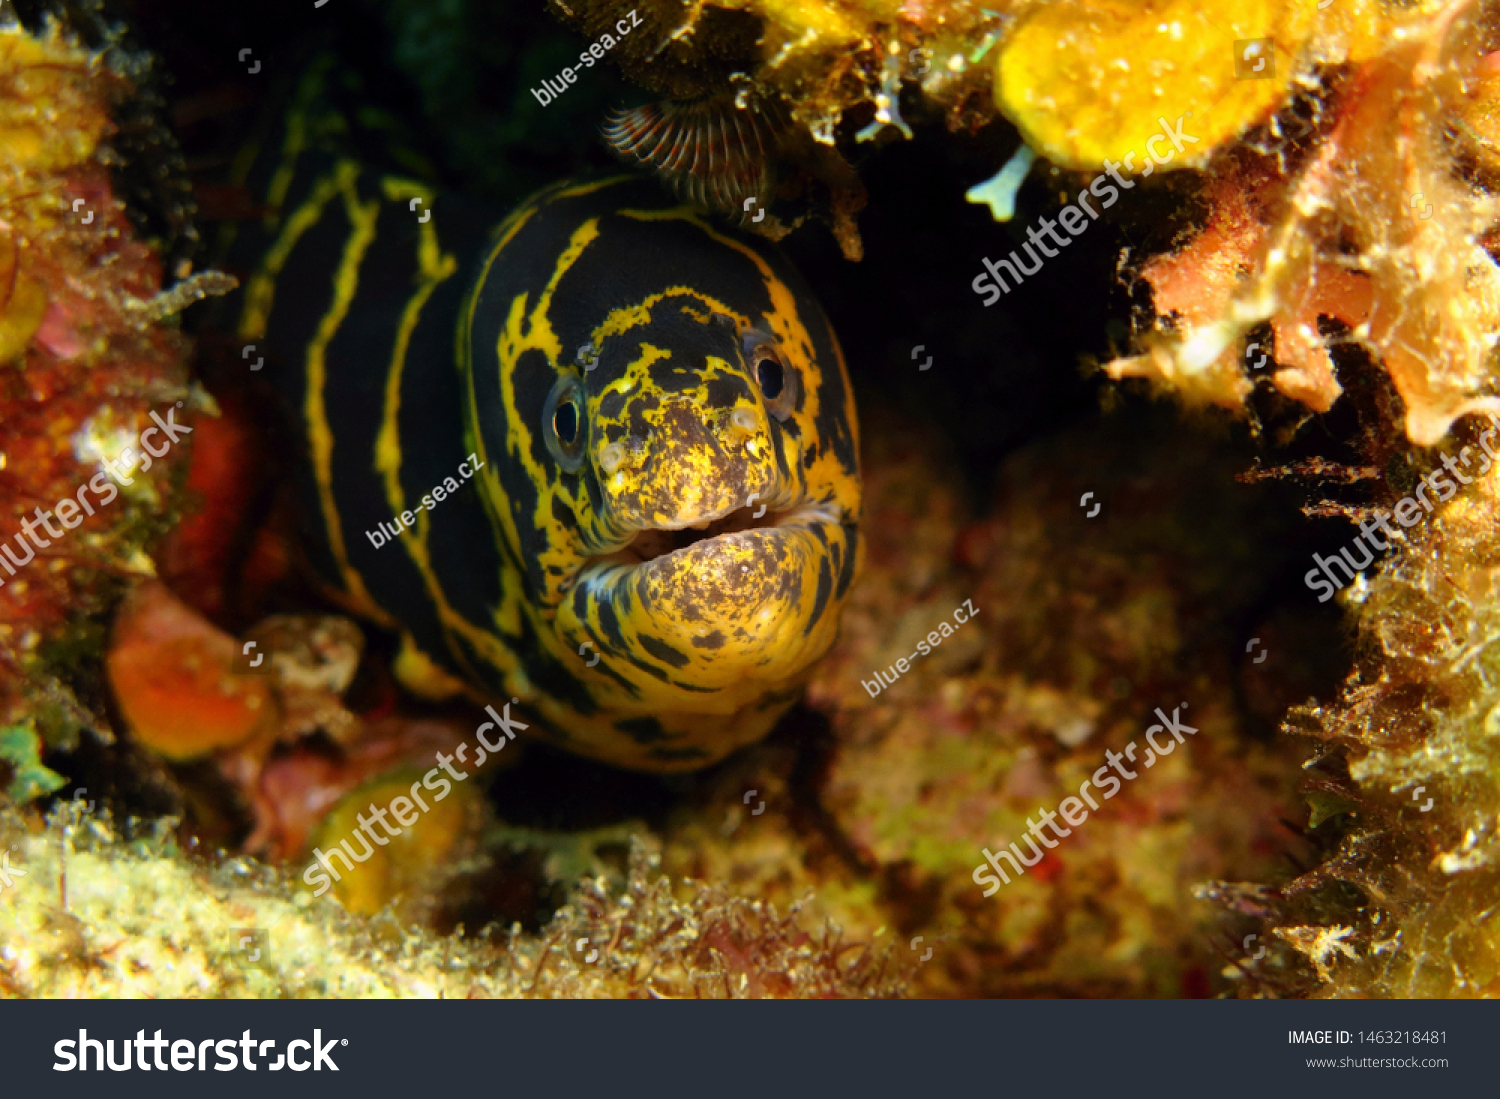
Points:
(662, 519)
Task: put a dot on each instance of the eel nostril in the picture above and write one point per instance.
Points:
(744, 419)
(611, 457)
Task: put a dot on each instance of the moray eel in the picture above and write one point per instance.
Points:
(599, 458)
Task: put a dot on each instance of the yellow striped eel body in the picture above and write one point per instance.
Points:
(610, 446)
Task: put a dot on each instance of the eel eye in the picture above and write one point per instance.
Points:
(563, 426)
(565, 423)
(769, 374)
(779, 382)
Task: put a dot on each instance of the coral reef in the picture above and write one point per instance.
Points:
(1313, 280)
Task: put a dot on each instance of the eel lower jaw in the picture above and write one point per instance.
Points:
(655, 544)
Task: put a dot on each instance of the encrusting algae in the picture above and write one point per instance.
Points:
(85, 357)
(1363, 220)
(1405, 776)
(97, 912)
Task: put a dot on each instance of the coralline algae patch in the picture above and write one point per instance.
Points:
(1084, 627)
(141, 919)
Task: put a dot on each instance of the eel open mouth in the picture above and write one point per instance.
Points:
(648, 545)
(655, 545)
